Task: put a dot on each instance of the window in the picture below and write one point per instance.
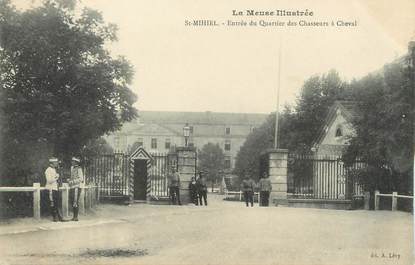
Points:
(227, 163)
(339, 132)
(153, 143)
(140, 142)
(227, 145)
(228, 130)
(167, 144)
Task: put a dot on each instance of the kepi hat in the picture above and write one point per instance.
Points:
(53, 159)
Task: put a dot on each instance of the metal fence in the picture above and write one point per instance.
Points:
(320, 177)
(110, 173)
(158, 173)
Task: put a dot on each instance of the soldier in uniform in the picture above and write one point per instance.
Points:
(202, 188)
(52, 186)
(174, 186)
(77, 177)
(248, 186)
(193, 191)
(265, 188)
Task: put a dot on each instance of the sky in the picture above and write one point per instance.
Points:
(235, 69)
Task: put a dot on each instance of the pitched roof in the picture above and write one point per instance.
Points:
(207, 117)
(163, 122)
(146, 129)
(348, 109)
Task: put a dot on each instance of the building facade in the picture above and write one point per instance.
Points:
(335, 135)
(159, 131)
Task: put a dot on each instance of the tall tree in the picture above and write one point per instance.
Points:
(248, 157)
(298, 125)
(60, 87)
(317, 95)
(97, 147)
(212, 161)
(384, 128)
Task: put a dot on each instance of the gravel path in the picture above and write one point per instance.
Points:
(222, 233)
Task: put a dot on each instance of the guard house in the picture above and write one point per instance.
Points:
(141, 176)
(141, 162)
(337, 129)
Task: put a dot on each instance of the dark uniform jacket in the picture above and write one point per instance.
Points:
(248, 185)
(265, 184)
(193, 186)
(174, 180)
(201, 184)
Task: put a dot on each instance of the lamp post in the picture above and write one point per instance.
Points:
(186, 134)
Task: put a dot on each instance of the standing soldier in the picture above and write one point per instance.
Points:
(202, 188)
(174, 186)
(248, 186)
(265, 188)
(193, 191)
(52, 177)
(77, 177)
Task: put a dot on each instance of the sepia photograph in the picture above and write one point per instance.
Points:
(268, 132)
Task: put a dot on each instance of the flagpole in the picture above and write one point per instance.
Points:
(278, 97)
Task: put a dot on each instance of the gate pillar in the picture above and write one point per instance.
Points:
(186, 166)
(277, 170)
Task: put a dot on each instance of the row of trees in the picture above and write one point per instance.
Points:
(383, 123)
(299, 125)
(61, 90)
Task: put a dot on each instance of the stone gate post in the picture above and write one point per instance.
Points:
(277, 170)
(186, 163)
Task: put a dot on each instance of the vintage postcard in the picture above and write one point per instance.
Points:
(207, 132)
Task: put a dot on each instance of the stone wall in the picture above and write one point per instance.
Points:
(186, 168)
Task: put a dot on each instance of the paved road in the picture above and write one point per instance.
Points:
(223, 233)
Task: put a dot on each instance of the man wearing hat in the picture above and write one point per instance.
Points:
(174, 186)
(265, 188)
(248, 186)
(202, 188)
(193, 191)
(52, 177)
(77, 177)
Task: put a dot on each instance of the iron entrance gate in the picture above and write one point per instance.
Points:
(159, 171)
(119, 176)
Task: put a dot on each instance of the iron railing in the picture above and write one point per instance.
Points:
(322, 177)
(158, 174)
(110, 172)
